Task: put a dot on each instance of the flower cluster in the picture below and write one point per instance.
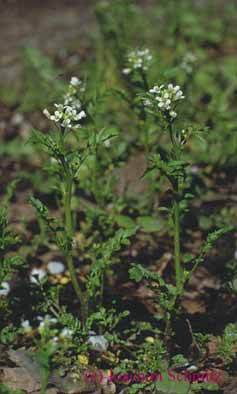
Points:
(187, 63)
(69, 114)
(164, 98)
(46, 326)
(138, 60)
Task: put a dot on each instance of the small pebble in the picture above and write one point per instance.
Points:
(192, 368)
(98, 343)
(55, 267)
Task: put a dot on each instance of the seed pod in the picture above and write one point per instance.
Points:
(75, 163)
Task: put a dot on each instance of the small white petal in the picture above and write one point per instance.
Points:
(46, 113)
(126, 71)
(81, 115)
(37, 274)
(4, 289)
(173, 114)
(26, 326)
(66, 333)
(75, 81)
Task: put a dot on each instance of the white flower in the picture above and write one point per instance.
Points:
(107, 143)
(126, 71)
(26, 326)
(81, 115)
(138, 60)
(46, 113)
(75, 81)
(155, 89)
(37, 274)
(173, 114)
(55, 267)
(46, 322)
(70, 112)
(4, 289)
(147, 102)
(164, 98)
(66, 333)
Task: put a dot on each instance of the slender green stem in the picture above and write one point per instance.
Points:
(178, 269)
(144, 80)
(69, 231)
(95, 177)
(45, 380)
(176, 210)
(68, 199)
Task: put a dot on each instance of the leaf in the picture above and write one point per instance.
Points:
(104, 257)
(121, 93)
(10, 191)
(149, 172)
(48, 143)
(125, 221)
(171, 386)
(136, 273)
(149, 224)
(41, 209)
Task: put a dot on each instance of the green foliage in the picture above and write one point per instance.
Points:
(103, 259)
(8, 239)
(226, 347)
(4, 389)
(164, 293)
(173, 170)
(206, 247)
(93, 154)
(8, 335)
(169, 386)
(106, 321)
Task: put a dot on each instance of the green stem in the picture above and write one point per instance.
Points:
(178, 269)
(176, 209)
(69, 231)
(144, 80)
(94, 176)
(45, 380)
